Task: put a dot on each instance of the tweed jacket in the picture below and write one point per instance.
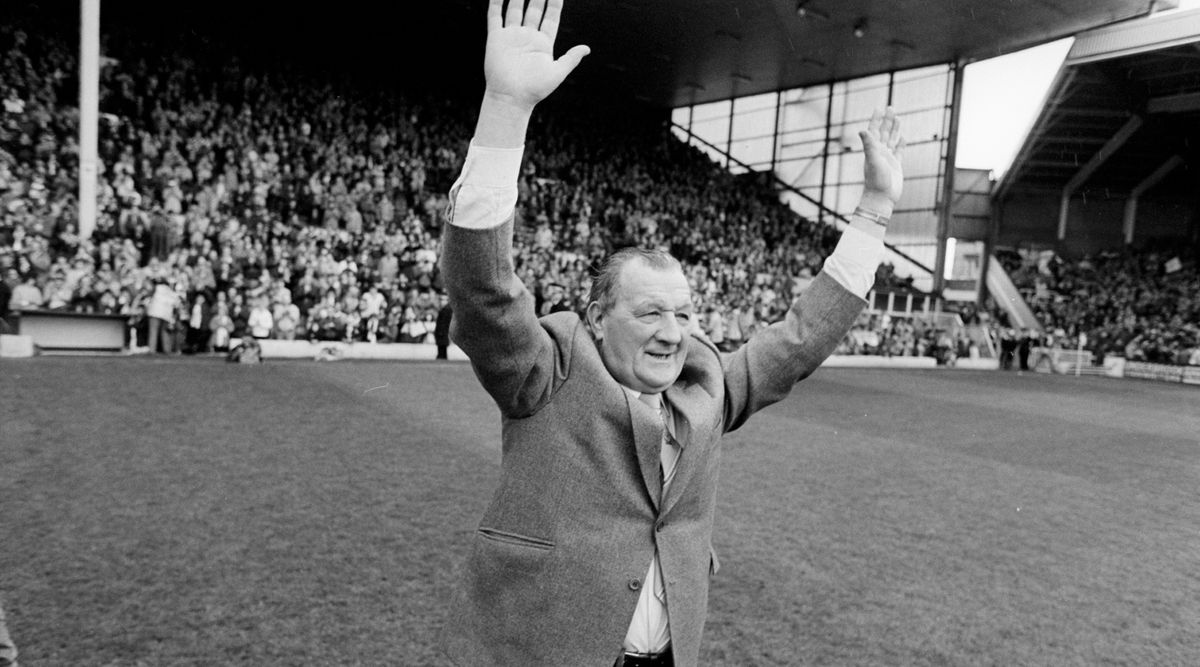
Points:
(554, 569)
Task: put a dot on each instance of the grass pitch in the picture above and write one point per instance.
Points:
(186, 511)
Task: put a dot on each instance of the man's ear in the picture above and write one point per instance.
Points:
(595, 317)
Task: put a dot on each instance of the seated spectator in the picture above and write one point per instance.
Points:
(261, 322)
(26, 295)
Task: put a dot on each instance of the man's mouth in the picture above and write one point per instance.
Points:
(661, 356)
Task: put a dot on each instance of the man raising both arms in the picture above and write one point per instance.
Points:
(596, 547)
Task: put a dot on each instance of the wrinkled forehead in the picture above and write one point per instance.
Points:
(640, 282)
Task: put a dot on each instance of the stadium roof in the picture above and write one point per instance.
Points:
(693, 51)
(666, 53)
(1123, 115)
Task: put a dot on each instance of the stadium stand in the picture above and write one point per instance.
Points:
(252, 197)
(1097, 225)
(245, 199)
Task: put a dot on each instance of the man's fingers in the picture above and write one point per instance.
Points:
(513, 18)
(551, 17)
(875, 123)
(868, 139)
(889, 133)
(571, 59)
(533, 13)
(494, 20)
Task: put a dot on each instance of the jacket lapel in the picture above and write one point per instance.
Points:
(682, 412)
(647, 439)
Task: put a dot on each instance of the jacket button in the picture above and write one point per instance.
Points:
(660, 526)
(634, 584)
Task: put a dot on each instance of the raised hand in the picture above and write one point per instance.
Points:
(518, 62)
(882, 145)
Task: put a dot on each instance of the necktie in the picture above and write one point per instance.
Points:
(669, 452)
(668, 456)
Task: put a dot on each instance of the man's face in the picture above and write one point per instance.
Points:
(643, 337)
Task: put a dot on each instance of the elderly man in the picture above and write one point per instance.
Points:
(596, 547)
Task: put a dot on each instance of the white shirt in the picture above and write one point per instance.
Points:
(372, 304)
(649, 631)
(162, 303)
(260, 322)
(486, 196)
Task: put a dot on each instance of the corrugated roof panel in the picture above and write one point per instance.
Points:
(1135, 37)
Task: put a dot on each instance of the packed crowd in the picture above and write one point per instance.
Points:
(1142, 304)
(237, 199)
(944, 339)
(249, 198)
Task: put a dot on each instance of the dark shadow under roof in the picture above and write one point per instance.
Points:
(665, 53)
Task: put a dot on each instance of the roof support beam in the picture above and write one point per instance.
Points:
(1174, 103)
(945, 208)
(1150, 181)
(1106, 151)
(1070, 139)
(1091, 112)
(1055, 164)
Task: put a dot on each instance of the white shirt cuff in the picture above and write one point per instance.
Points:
(489, 167)
(485, 193)
(854, 261)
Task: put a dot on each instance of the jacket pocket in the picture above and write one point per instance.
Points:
(515, 539)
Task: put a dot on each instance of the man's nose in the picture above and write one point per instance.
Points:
(669, 331)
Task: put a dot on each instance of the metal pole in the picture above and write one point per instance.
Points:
(947, 204)
(821, 205)
(89, 100)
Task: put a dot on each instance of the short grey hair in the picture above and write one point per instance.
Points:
(604, 285)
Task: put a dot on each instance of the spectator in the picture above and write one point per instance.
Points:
(199, 320)
(286, 316)
(161, 312)
(220, 326)
(441, 330)
(1024, 346)
(26, 295)
(6, 284)
(260, 322)
(372, 307)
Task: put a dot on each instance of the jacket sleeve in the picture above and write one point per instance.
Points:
(765, 369)
(514, 357)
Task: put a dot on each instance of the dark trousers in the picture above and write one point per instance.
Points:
(161, 334)
(664, 659)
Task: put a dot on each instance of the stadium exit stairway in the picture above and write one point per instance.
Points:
(1009, 298)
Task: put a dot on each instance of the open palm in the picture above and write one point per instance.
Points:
(882, 145)
(519, 62)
